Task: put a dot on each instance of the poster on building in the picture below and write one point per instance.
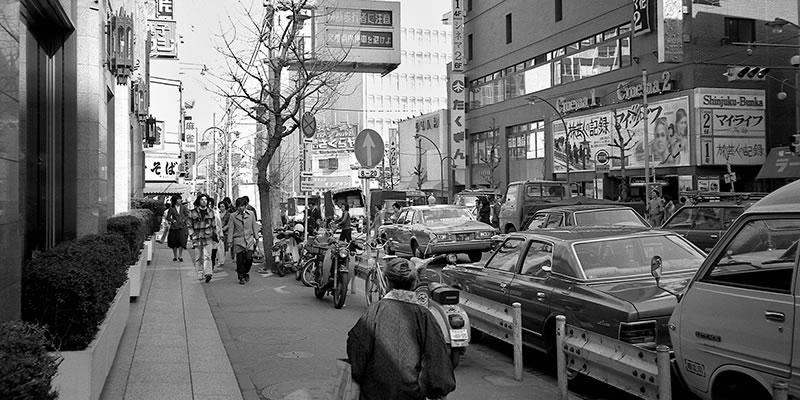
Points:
(588, 136)
(685, 183)
(732, 123)
(668, 133)
(161, 168)
(164, 38)
(670, 31)
(457, 101)
(331, 139)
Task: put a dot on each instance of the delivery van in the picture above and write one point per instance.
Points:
(734, 331)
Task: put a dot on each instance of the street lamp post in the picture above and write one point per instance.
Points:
(532, 100)
(777, 27)
(441, 160)
(214, 150)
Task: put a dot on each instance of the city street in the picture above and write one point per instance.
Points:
(283, 343)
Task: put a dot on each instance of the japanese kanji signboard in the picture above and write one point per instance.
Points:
(161, 168)
(457, 108)
(732, 126)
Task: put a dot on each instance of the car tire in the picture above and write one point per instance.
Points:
(738, 386)
(510, 229)
(474, 256)
(389, 250)
(416, 251)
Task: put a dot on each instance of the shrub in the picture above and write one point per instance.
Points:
(69, 288)
(131, 225)
(154, 205)
(26, 367)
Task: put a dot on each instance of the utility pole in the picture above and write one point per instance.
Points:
(646, 142)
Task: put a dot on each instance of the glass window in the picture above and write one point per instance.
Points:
(740, 29)
(540, 255)
(730, 215)
(507, 256)
(555, 220)
(446, 215)
(616, 258)
(625, 217)
(708, 218)
(761, 256)
(511, 194)
(537, 221)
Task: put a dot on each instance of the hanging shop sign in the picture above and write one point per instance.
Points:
(457, 20)
(427, 124)
(567, 105)
(164, 36)
(626, 91)
(670, 31)
(161, 168)
(732, 126)
(642, 20)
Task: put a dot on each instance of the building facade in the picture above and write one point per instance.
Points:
(70, 70)
(531, 70)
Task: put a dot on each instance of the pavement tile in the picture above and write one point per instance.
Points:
(163, 340)
(159, 391)
(162, 354)
(214, 383)
(142, 372)
(210, 363)
(216, 397)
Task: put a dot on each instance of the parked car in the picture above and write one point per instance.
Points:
(735, 328)
(585, 215)
(598, 277)
(704, 223)
(469, 198)
(423, 231)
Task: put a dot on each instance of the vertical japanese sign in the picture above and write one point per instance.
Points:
(456, 95)
(732, 126)
(187, 164)
(641, 17)
(458, 35)
(164, 38)
(161, 168)
(164, 9)
(670, 31)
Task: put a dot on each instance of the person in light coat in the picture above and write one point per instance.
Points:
(243, 237)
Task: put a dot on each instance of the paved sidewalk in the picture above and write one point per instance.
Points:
(171, 348)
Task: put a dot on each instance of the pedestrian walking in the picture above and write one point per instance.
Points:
(431, 200)
(485, 210)
(669, 207)
(250, 208)
(377, 219)
(218, 243)
(224, 211)
(396, 350)
(315, 219)
(243, 236)
(655, 209)
(344, 224)
(395, 212)
(177, 217)
(203, 230)
(162, 235)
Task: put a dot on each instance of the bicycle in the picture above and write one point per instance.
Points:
(375, 285)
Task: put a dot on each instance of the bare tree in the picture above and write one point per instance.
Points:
(272, 79)
(624, 143)
(492, 160)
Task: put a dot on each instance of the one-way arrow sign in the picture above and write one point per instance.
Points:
(368, 148)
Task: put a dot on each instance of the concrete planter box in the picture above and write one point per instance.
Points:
(136, 274)
(149, 245)
(82, 374)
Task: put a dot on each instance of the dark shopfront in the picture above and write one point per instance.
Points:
(698, 140)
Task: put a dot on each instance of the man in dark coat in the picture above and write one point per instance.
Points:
(396, 349)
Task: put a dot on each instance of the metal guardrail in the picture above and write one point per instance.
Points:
(498, 320)
(640, 372)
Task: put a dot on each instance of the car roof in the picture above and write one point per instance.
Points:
(435, 206)
(715, 204)
(586, 207)
(782, 200)
(580, 233)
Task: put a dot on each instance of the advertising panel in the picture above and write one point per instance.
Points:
(365, 33)
(164, 9)
(732, 126)
(594, 134)
(457, 101)
(330, 139)
(161, 168)
(457, 16)
(164, 37)
(670, 31)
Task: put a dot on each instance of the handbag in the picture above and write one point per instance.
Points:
(344, 387)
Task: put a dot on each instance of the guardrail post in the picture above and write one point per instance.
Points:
(664, 380)
(517, 326)
(780, 391)
(561, 358)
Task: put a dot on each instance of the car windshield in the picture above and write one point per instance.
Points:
(609, 217)
(625, 257)
(445, 215)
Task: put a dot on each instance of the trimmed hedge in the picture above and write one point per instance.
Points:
(69, 288)
(26, 367)
(133, 226)
(154, 205)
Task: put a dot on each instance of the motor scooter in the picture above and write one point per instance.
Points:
(287, 250)
(443, 302)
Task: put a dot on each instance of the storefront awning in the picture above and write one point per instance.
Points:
(157, 188)
(780, 164)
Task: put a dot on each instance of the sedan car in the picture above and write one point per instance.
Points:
(423, 231)
(704, 223)
(598, 277)
(584, 215)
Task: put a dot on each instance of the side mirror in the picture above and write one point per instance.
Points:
(547, 268)
(656, 265)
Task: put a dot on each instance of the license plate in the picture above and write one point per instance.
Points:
(458, 334)
(463, 236)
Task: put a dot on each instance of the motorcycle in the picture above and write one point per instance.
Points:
(287, 250)
(442, 300)
(334, 280)
(314, 253)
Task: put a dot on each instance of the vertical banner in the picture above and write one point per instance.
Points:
(458, 35)
(456, 95)
(642, 20)
(670, 31)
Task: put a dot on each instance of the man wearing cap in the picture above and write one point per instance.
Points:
(396, 349)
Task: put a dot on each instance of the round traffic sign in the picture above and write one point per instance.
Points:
(308, 124)
(368, 148)
(601, 157)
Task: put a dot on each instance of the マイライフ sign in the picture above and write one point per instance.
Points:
(732, 126)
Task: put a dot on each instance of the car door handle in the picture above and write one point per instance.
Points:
(503, 285)
(714, 236)
(541, 296)
(775, 316)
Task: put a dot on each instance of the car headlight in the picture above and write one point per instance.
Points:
(485, 234)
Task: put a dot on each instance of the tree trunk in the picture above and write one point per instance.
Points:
(264, 193)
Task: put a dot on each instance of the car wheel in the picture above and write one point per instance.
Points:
(510, 229)
(474, 256)
(416, 251)
(389, 250)
(738, 386)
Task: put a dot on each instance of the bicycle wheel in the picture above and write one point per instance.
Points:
(372, 288)
(308, 270)
(340, 293)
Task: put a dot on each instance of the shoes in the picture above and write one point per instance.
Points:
(208, 278)
(247, 277)
(199, 276)
(174, 258)
(241, 281)
(181, 259)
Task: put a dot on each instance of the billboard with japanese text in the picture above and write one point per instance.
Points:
(594, 136)
(732, 126)
(164, 38)
(334, 138)
(161, 168)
